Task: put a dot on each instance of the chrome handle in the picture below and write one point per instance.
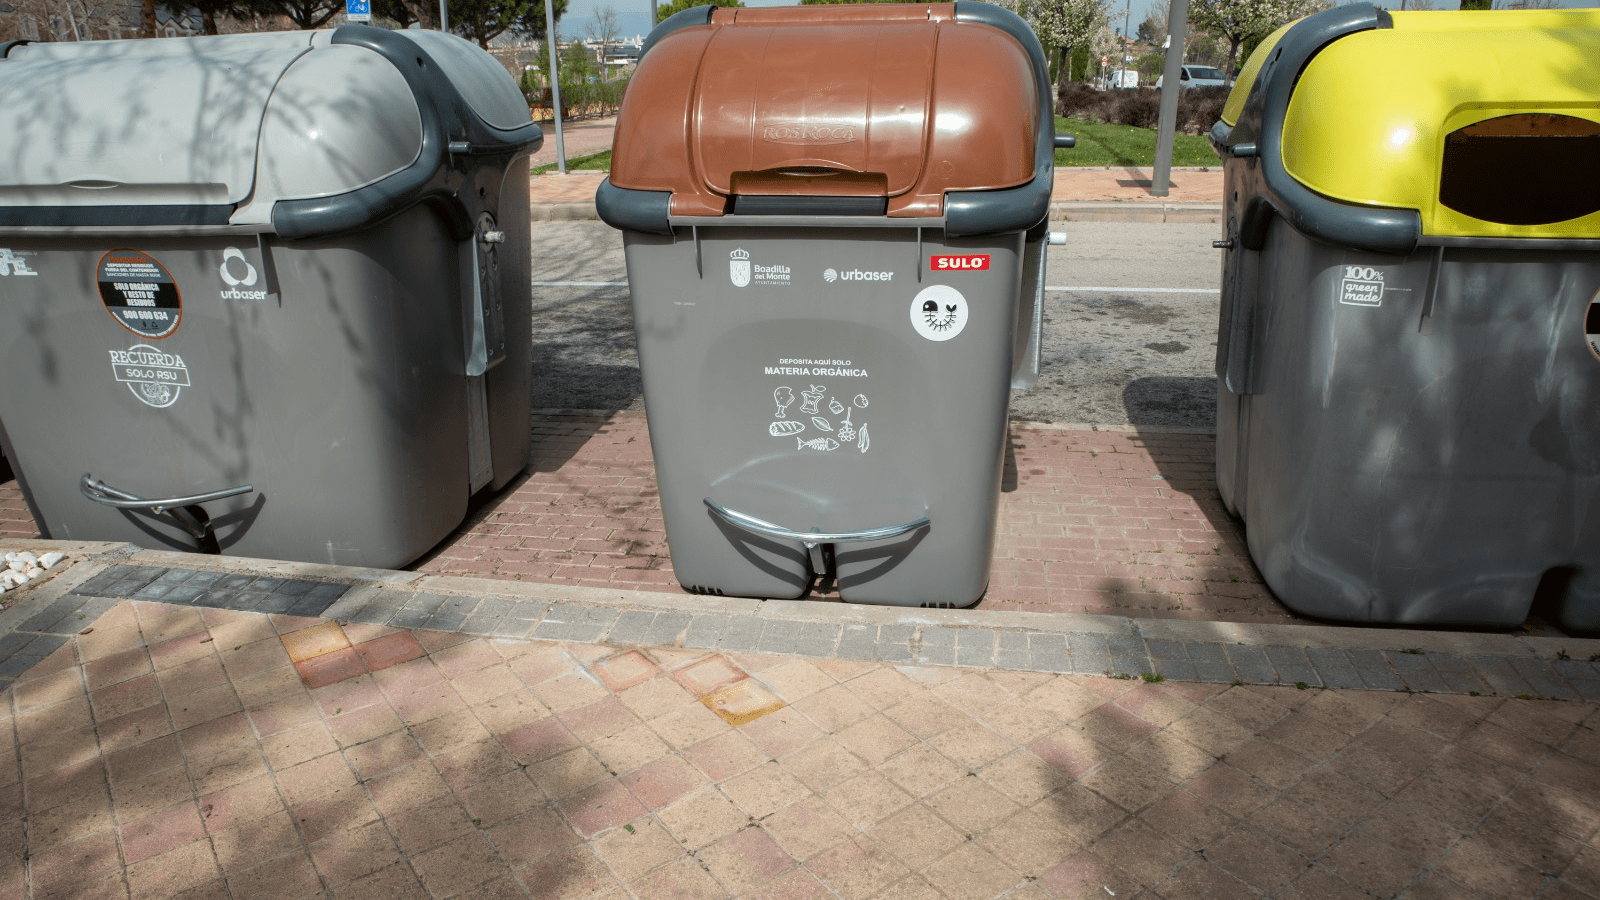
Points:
(100, 492)
(762, 527)
(812, 540)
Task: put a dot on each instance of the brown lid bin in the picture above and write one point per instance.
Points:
(879, 109)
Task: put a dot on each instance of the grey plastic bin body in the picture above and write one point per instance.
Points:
(296, 263)
(827, 386)
(1406, 421)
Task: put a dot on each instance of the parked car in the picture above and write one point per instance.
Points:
(1198, 76)
(1123, 78)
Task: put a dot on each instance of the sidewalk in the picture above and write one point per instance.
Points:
(372, 738)
(1080, 194)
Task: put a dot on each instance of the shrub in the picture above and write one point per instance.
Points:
(1198, 108)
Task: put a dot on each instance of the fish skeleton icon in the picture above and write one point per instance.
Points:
(820, 443)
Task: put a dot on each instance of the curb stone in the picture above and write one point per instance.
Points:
(1179, 650)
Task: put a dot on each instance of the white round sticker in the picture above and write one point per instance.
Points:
(939, 312)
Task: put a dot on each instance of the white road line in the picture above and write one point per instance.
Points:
(1068, 289)
(1074, 289)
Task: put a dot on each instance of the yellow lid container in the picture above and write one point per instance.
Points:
(1485, 123)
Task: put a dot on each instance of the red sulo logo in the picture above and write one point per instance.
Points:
(971, 262)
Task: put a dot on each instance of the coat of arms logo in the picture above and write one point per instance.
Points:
(739, 268)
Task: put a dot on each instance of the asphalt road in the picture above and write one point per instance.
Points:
(1130, 325)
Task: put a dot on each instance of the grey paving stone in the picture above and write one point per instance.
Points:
(1125, 664)
(1543, 678)
(817, 649)
(826, 633)
(858, 642)
(508, 627)
(17, 664)
(458, 606)
(1049, 652)
(1465, 684)
(1298, 675)
(125, 589)
(1090, 662)
(495, 606)
(1449, 662)
(445, 621)
(631, 627)
(1126, 645)
(742, 634)
(975, 647)
(1214, 673)
(329, 589)
(260, 601)
(268, 583)
(1088, 649)
(1280, 657)
(1587, 688)
(102, 580)
(529, 610)
(1345, 679)
(1501, 676)
(705, 631)
(46, 619)
(485, 626)
(1213, 654)
(1415, 671)
(175, 576)
(1575, 670)
(1251, 664)
(426, 601)
(13, 643)
(204, 578)
(1163, 650)
(895, 643)
(1176, 669)
(352, 608)
(408, 618)
(235, 581)
(1374, 669)
(1011, 650)
(307, 605)
(778, 636)
(666, 629)
(938, 647)
(184, 593)
(296, 587)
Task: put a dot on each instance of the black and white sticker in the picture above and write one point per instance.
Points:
(1361, 286)
(938, 312)
(139, 293)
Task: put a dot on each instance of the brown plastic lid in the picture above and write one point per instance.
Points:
(899, 101)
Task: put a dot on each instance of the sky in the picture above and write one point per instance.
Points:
(633, 16)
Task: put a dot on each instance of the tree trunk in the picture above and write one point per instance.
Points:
(147, 19)
(208, 21)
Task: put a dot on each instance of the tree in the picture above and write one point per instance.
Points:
(1064, 27)
(678, 6)
(1237, 21)
(1476, 4)
(602, 28)
(305, 14)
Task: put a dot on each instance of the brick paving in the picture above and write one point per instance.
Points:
(169, 750)
(1101, 522)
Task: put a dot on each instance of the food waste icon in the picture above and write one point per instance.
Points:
(843, 430)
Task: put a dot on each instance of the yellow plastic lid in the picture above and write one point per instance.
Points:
(1500, 109)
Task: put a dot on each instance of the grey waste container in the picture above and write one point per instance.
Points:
(834, 229)
(1407, 353)
(263, 294)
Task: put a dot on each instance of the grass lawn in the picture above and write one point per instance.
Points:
(1124, 145)
(1098, 145)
